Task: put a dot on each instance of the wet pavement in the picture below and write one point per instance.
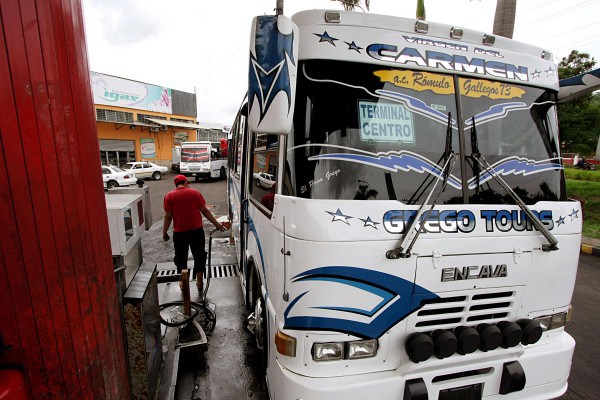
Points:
(223, 369)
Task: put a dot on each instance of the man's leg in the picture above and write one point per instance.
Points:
(197, 247)
(181, 244)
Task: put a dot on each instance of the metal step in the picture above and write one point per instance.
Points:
(216, 271)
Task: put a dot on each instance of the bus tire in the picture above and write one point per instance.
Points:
(222, 174)
(261, 334)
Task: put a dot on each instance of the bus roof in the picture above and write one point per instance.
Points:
(399, 42)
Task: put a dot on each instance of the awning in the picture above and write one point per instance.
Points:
(176, 124)
(136, 123)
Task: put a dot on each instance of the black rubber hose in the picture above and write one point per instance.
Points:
(195, 309)
(209, 314)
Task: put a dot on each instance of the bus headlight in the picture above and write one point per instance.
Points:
(553, 321)
(328, 351)
(362, 349)
(344, 351)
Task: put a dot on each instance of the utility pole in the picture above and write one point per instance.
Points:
(504, 19)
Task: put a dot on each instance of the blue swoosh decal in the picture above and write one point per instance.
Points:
(397, 294)
(515, 166)
(394, 161)
(416, 105)
(495, 112)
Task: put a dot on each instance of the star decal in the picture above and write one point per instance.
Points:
(536, 74)
(560, 221)
(325, 38)
(369, 222)
(339, 216)
(549, 71)
(574, 214)
(353, 46)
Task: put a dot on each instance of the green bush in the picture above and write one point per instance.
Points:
(582, 175)
(589, 194)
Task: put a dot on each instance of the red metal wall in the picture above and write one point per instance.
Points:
(58, 305)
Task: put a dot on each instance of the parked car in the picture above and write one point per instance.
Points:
(114, 176)
(264, 180)
(145, 169)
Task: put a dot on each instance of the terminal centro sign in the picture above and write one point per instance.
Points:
(112, 91)
(385, 122)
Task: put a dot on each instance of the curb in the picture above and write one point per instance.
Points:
(588, 249)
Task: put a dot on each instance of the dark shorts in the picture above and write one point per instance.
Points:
(193, 240)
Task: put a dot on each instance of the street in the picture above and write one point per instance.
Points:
(226, 371)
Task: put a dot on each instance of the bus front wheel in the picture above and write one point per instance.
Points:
(257, 321)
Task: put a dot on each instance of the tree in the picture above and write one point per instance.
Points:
(421, 9)
(350, 4)
(579, 119)
(574, 64)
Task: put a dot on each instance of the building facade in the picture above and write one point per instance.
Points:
(143, 122)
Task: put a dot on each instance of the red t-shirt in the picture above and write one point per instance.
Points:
(184, 203)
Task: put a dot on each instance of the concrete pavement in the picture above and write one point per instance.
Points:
(224, 369)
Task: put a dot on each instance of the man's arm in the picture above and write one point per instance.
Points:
(166, 224)
(206, 212)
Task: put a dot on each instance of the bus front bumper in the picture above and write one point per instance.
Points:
(546, 368)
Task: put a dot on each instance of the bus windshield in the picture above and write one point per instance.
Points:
(196, 154)
(370, 132)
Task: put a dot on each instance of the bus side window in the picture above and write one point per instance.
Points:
(264, 165)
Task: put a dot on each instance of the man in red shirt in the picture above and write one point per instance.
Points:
(183, 206)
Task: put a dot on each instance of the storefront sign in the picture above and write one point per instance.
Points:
(112, 91)
(179, 137)
(148, 148)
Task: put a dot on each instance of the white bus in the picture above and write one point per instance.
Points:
(201, 160)
(418, 242)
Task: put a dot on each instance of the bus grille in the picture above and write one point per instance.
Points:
(472, 309)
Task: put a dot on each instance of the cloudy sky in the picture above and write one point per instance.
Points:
(202, 46)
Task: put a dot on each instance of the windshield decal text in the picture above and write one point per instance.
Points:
(447, 62)
(464, 221)
(476, 88)
(436, 43)
(418, 80)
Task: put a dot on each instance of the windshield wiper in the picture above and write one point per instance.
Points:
(430, 178)
(481, 161)
(412, 232)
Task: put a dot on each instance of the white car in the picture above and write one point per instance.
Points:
(114, 176)
(264, 180)
(145, 169)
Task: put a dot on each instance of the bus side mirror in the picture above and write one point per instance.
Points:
(272, 74)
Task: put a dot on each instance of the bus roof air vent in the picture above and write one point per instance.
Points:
(421, 27)
(489, 40)
(456, 33)
(546, 55)
(333, 17)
